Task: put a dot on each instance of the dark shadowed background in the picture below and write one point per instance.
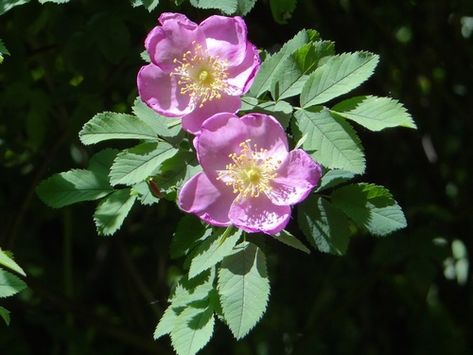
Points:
(409, 293)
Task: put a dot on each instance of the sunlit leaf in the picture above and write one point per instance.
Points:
(375, 113)
(138, 163)
(325, 227)
(339, 75)
(243, 286)
(112, 211)
(111, 125)
(213, 249)
(330, 140)
(10, 284)
(370, 206)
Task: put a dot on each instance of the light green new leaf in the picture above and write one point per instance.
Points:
(287, 238)
(243, 286)
(330, 140)
(370, 206)
(112, 211)
(333, 178)
(5, 314)
(213, 249)
(290, 77)
(6, 5)
(226, 6)
(10, 284)
(271, 64)
(375, 113)
(325, 227)
(73, 186)
(193, 329)
(110, 125)
(138, 163)
(9, 263)
(162, 126)
(282, 9)
(339, 75)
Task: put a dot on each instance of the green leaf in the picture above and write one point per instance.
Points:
(370, 206)
(193, 329)
(175, 171)
(287, 238)
(3, 49)
(375, 113)
(333, 178)
(54, 1)
(5, 314)
(101, 162)
(10, 284)
(243, 286)
(325, 227)
(339, 75)
(281, 110)
(145, 195)
(226, 6)
(112, 211)
(282, 9)
(189, 230)
(166, 323)
(290, 77)
(213, 249)
(73, 186)
(160, 125)
(6, 5)
(194, 291)
(150, 5)
(271, 64)
(9, 263)
(245, 6)
(138, 163)
(332, 141)
(109, 125)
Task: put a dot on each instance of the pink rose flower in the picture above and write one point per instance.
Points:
(197, 70)
(249, 178)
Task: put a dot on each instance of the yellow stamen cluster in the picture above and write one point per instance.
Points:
(251, 172)
(201, 76)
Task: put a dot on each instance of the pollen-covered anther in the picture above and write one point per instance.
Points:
(201, 76)
(251, 172)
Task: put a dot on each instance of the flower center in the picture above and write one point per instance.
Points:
(251, 172)
(201, 76)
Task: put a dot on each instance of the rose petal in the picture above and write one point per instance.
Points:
(259, 215)
(160, 92)
(225, 38)
(241, 77)
(267, 133)
(202, 197)
(174, 16)
(194, 120)
(171, 40)
(297, 176)
(220, 136)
